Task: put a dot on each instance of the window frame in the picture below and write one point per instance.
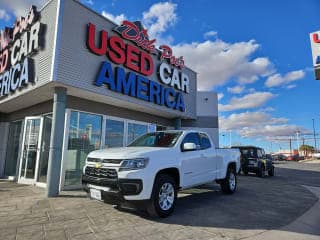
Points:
(207, 137)
(106, 117)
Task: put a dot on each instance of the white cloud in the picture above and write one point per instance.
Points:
(210, 34)
(4, 15)
(251, 100)
(158, 19)
(278, 80)
(268, 109)
(250, 71)
(248, 119)
(271, 131)
(259, 125)
(116, 19)
(220, 96)
(236, 89)
(217, 62)
(20, 8)
(291, 86)
(90, 2)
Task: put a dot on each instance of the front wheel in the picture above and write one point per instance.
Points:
(271, 171)
(164, 196)
(229, 184)
(260, 172)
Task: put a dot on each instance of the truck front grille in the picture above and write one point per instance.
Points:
(105, 173)
(113, 161)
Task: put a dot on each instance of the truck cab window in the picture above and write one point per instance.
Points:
(204, 141)
(191, 138)
(259, 153)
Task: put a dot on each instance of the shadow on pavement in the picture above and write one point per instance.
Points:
(259, 203)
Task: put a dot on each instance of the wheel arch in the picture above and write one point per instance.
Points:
(232, 165)
(173, 172)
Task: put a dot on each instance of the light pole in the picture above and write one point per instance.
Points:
(230, 141)
(298, 142)
(314, 135)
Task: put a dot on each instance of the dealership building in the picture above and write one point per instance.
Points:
(72, 81)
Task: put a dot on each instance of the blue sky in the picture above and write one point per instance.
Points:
(255, 54)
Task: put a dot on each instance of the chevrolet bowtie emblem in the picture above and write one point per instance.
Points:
(98, 165)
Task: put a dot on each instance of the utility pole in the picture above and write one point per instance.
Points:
(298, 140)
(314, 135)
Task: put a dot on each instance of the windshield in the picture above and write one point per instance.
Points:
(249, 153)
(156, 139)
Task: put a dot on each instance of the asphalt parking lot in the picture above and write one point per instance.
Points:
(284, 206)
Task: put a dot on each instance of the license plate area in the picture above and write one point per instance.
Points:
(252, 162)
(95, 194)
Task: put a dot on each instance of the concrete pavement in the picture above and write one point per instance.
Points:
(282, 207)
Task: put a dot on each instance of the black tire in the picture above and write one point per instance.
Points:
(271, 172)
(245, 172)
(156, 207)
(229, 184)
(260, 172)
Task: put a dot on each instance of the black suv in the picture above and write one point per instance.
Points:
(253, 159)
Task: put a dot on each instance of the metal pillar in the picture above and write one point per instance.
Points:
(177, 123)
(57, 131)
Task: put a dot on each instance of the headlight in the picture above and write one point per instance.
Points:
(133, 164)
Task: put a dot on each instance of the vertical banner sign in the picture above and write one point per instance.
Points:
(315, 47)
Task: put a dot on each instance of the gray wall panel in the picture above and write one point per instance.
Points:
(78, 67)
(35, 110)
(202, 122)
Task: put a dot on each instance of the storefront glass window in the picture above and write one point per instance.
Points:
(84, 137)
(13, 146)
(152, 128)
(135, 130)
(114, 133)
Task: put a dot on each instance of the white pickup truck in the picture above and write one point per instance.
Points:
(155, 166)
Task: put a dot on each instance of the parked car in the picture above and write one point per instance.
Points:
(279, 157)
(155, 166)
(293, 157)
(253, 159)
(269, 156)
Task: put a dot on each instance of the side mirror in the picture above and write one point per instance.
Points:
(189, 147)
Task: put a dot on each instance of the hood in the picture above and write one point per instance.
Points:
(124, 152)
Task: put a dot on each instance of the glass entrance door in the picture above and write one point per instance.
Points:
(44, 150)
(30, 149)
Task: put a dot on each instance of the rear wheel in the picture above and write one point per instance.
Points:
(164, 196)
(271, 171)
(229, 184)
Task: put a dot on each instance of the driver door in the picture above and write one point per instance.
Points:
(191, 161)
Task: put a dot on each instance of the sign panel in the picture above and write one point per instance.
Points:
(315, 47)
(17, 44)
(135, 65)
